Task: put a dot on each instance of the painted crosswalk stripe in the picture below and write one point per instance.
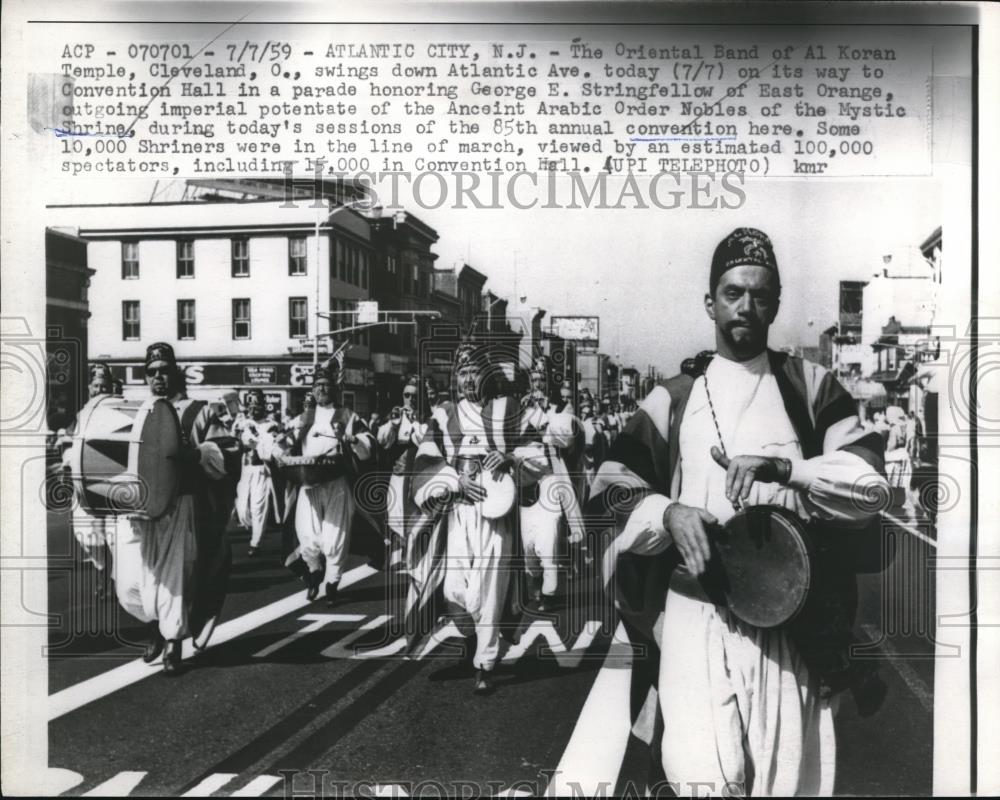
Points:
(211, 784)
(257, 786)
(593, 757)
(80, 694)
(118, 786)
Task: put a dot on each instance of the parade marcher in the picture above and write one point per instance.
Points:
(92, 532)
(325, 513)
(551, 448)
(742, 708)
(595, 445)
(256, 496)
(158, 563)
(398, 439)
(466, 553)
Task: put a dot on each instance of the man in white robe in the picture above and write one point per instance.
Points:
(742, 713)
(256, 498)
(325, 513)
(154, 560)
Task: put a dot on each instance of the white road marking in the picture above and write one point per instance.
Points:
(316, 621)
(339, 648)
(212, 783)
(80, 694)
(593, 757)
(909, 675)
(257, 786)
(543, 628)
(118, 786)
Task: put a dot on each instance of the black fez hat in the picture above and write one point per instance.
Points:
(743, 247)
(100, 371)
(256, 394)
(160, 351)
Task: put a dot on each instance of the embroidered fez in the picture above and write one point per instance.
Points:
(743, 247)
(160, 351)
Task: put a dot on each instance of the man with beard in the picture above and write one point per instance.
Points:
(744, 709)
(461, 550)
(159, 565)
(325, 513)
(256, 498)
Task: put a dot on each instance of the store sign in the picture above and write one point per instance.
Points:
(585, 330)
(260, 376)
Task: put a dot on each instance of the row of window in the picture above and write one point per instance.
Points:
(239, 258)
(298, 319)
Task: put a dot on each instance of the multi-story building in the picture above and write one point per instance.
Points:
(233, 284)
(906, 284)
(67, 278)
(403, 280)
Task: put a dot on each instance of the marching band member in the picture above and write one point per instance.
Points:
(256, 497)
(156, 561)
(550, 440)
(92, 532)
(467, 553)
(399, 439)
(324, 513)
(743, 707)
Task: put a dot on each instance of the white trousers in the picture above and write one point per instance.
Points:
(477, 574)
(153, 563)
(323, 517)
(741, 714)
(92, 533)
(540, 537)
(254, 495)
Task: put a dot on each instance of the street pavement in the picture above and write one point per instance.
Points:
(297, 697)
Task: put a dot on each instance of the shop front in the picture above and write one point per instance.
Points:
(284, 382)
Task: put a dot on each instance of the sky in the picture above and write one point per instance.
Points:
(644, 272)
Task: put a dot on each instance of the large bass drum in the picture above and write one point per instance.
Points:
(123, 459)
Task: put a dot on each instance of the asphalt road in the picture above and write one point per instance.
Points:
(298, 696)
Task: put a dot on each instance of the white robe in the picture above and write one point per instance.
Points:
(741, 711)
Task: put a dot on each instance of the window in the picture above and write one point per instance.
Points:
(391, 264)
(185, 319)
(130, 260)
(241, 258)
(355, 278)
(298, 318)
(241, 318)
(130, 320)
(297, 255)
(185, 259)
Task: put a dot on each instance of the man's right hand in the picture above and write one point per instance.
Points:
(686, 526)
(472, 491)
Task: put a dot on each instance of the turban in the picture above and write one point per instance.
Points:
(743, 247)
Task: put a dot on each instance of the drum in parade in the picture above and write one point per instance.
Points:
(764, 554)
(501, 493)
(311, 471)
(124, 456)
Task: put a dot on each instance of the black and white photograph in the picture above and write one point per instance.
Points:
(492, 399)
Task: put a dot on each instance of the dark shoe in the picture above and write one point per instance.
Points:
(251, 552)
(484, 682)
(331, 593)
(313, 581)
(172, 658)
(154, 647)
(546, 603)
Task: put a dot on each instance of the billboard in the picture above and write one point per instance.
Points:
(585, 330)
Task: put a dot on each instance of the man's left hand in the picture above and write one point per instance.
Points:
(743, 471)
(497, 462)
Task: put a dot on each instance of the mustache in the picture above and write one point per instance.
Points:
(742, 323)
